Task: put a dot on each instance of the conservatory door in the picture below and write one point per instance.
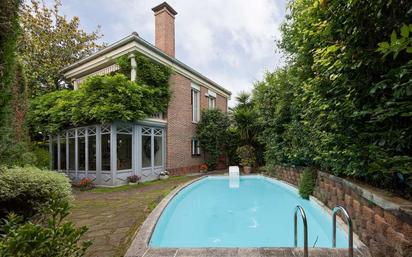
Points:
(152, 152)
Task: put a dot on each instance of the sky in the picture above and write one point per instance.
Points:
(231, 42)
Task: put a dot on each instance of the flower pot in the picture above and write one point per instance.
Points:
(162, 177)
(247, 169)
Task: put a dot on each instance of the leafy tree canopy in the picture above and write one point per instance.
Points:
(50, 42)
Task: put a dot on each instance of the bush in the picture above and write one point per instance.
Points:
(212, 133)
(307, 182)
(28, 190)
(41, 154)
(49, 237)
(247, 155)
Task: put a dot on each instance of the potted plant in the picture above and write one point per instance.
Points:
(203, 167)
(86, 184)
(133, 179)
(164, 175)
(247, 157)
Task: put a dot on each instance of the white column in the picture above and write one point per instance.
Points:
(113, 153)
(133, 65)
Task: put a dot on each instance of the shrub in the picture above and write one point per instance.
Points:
(212, 133)
(307, 182)
(41, 154)
(49, 237)
(133, 179)
(28, 190)
(247, 155)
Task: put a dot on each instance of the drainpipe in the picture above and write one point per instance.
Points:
(134, 66)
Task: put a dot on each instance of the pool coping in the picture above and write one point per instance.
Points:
(140, 244)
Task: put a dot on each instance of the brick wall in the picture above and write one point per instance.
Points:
(180, 129)
(384, 224)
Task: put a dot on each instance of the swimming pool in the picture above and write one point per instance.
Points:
(259, 213)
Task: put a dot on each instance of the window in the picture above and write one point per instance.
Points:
(195, 147)
(81, 148)
(124, 147)
(195, 100)
(63, 152)
(212, 102)
(72, 160)
(211, 99)
(105, 144)
(55, 153)
(91, 135)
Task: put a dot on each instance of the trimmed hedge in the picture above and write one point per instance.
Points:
(27, 191)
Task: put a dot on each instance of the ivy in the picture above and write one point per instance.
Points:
(100, 99)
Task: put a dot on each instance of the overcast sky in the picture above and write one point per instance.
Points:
(230, 41)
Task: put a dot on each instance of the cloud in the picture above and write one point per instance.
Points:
(230, 41)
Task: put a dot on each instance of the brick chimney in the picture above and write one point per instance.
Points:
(165, 28)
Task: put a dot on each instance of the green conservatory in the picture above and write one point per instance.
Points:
(109, 153)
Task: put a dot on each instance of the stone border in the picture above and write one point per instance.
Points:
(140, 244)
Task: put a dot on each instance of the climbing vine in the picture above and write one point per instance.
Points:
(102, 99)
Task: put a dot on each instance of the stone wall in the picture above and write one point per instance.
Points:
(383, 223)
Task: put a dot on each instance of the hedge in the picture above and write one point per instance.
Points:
(28, 191)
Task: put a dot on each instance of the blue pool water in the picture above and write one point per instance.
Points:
(259, 213)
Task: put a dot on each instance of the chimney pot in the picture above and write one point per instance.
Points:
(165, 28)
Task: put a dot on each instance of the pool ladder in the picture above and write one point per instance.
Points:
(335, 211)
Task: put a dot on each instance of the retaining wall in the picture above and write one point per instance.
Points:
(383, 223)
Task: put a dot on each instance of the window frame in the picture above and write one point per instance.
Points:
(195, 93)
(195, 147)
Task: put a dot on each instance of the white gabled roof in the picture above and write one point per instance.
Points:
(130, 44)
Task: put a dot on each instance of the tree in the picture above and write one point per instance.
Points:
(244, 116)
(212, 133)
(12, 89)
(48, 43)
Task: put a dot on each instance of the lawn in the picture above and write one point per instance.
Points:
(114, 214)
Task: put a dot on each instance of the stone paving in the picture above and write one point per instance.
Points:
(113, 215)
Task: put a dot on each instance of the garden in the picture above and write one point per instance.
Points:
(341, 104)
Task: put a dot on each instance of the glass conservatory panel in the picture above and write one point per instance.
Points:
(63, 152)
(81, 154)
(146, 151)
(158, 151)
(72, 161)
(124, 151)
(55, 153)
(105, 151)
(92, 152)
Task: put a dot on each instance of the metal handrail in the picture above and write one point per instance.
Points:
(350, 232)
(305, 229)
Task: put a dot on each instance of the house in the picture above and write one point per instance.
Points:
(109, 153)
